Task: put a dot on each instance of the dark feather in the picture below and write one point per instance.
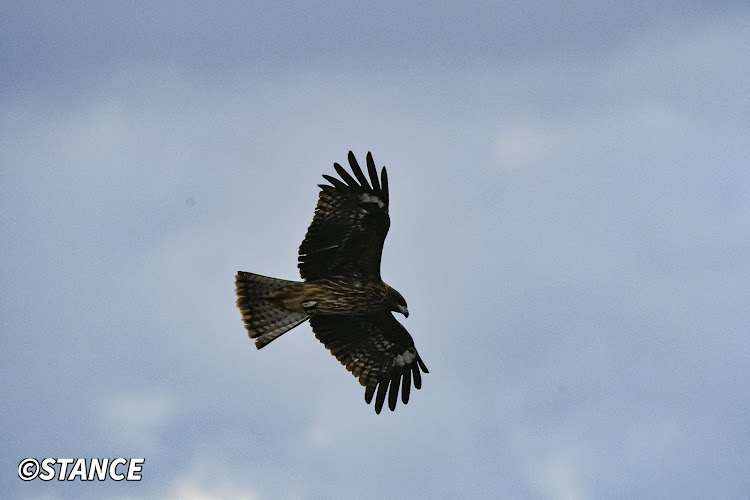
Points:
(329, 190)
(370, 392)
(358, 172)
(380, 399)
(406, 386)
(384, 182)
(336, 183)
(393, 392)
(345, 175)
(373, 173)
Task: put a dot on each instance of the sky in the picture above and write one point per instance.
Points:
(569, 225)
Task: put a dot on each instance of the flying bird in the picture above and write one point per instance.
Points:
(342, 294)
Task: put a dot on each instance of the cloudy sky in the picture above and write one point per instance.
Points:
(570, 200)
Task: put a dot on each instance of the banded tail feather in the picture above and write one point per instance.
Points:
(264, 321)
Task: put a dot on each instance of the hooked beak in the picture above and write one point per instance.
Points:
(403, 310)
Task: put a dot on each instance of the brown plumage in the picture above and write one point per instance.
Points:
(343, 295)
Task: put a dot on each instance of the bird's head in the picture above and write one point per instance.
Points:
(397, 302)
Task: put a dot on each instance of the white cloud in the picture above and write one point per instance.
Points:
(191, 489)
(559, 478)
(138, 418)
(525, 143)
(207, 478)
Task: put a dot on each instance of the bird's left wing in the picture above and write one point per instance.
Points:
(377, 349)
(349, 227)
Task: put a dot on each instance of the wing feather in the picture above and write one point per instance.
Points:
(345, 175)
(384, 184)
(393, 393)
(358, 171)
(417, 377)
(336, 183)
(377, 350)
(406, 386)
(369, 393)
(380, 398)
(373, 171)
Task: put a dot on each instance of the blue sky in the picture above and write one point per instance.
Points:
(569, 199)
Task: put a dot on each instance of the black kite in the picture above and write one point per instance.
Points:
(348, 304)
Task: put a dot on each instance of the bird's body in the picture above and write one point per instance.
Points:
(333, 296)
(343, 296)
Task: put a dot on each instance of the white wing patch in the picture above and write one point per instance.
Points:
(309, 305)
(371, 198)
(407, 357)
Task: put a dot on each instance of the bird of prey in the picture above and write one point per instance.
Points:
(348, 304)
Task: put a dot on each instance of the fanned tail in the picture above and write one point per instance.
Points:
(264, 321)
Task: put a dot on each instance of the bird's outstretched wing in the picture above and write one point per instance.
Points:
(378, 350)
(349, 227)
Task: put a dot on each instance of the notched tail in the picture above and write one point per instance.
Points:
(264, 321)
